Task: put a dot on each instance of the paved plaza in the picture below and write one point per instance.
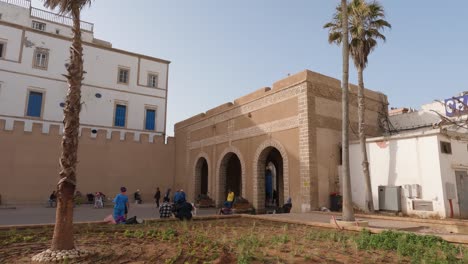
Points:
(451, 230)
(28, 215)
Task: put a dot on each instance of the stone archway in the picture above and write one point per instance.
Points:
(201, 173)
(201, 177)
(270, 152)
(231, 174)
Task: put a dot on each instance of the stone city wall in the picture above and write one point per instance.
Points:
(29, 162)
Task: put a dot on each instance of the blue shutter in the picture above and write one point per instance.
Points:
(120, 111)
(150, 119)
(34, 104)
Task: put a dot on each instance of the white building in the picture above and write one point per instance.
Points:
(426, 158)
(122, 91)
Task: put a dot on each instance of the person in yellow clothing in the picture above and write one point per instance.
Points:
(230, 199)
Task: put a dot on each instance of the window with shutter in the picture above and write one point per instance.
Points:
(150, 123)
(34, 104)
(120, 114)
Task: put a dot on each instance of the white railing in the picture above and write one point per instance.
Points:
(49, 16)
(52, 17)
(22, 3)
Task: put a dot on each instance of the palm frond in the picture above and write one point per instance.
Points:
(366, 24)
(66, 6)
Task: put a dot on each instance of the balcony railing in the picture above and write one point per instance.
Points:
(49, 16)
(52, 17)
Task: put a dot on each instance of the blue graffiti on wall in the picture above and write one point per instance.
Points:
(456, 106)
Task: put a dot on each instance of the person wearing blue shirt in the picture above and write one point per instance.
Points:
(179, 196)
(121, 202)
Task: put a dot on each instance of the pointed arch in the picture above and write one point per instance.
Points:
(259, 165)
(221, 173)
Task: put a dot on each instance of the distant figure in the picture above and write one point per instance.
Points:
(183, 211)
(286, 209)
(157, 197)
(179, 197)
(168, 194)
(121, 204)
(90, 197)
(137, 197)
(176, 196)
(165, 210)
(78, 198)
(53, 199)
(275, 197)
(98, 200)
(229, 199)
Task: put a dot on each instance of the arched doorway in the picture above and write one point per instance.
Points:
(201, 177)
(230, 176)
(270, 182)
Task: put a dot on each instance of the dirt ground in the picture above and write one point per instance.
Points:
(236, 240)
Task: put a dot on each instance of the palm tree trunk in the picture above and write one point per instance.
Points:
(369, 206)
(63, 232)
(348, 214)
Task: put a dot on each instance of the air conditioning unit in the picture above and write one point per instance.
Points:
(412, 190)
(390, 198)
(416, 190)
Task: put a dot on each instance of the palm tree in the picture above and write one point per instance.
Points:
(366, 21)
(340, 24)
(63, 231)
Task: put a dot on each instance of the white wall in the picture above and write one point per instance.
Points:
(398, 162)
(95, 111)
(14, 14)
(101, 65)
(457, 161)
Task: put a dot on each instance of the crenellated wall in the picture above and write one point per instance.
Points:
(29, 167)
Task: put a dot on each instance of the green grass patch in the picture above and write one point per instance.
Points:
(420, 248)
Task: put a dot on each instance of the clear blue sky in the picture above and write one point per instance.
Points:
(221, 50)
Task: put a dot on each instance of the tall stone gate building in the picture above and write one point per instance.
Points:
(275, 143)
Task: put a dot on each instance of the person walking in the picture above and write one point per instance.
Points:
(157, 196)
(53, 199)
(168, 194)
(121, 206)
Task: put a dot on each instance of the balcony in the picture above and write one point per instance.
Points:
(49, 16)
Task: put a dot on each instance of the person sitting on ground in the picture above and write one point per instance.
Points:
(286, 209)
(165, 210)
(229, 199)
(183, 210)
(175, 199)
(90, 197)
(53, 199)
(137, 197)
(121, 203)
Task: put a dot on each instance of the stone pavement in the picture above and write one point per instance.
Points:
(29, 215)
(451, 230)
